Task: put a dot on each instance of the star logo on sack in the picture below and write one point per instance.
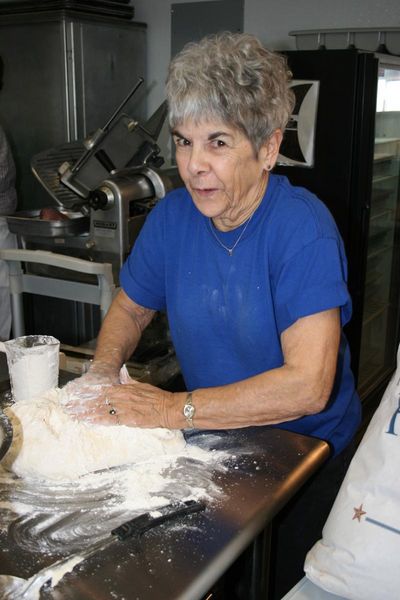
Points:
(358, 513)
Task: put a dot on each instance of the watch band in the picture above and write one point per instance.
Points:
(189, 410)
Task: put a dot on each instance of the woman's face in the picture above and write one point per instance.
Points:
(221, 171)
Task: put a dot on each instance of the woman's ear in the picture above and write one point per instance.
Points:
(270, 149)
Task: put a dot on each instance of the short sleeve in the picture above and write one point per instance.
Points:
(311, 281)
(142, 276)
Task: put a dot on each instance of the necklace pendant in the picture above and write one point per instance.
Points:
(230, 250)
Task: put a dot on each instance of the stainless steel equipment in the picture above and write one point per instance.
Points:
(65, 70)
(61, 519)
(103, 188)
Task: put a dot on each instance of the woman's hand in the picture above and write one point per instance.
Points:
(133, 404)
(98, 397)
(86, 393)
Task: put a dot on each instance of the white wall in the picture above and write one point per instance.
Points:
(270, 20)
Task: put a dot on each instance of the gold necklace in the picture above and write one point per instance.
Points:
(230, 250)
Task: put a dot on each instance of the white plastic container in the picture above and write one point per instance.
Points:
(33, 365)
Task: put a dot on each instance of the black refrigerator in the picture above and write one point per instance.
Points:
(343, 143)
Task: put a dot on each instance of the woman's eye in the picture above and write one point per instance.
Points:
(218, 144)
(182, 142)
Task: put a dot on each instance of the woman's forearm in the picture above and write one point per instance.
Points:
(272, 397)
(120, 333)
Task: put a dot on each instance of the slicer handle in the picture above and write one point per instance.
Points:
(139, 525)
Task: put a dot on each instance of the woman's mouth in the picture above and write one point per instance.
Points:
(205, 191)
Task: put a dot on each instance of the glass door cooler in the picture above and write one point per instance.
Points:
(379, 337)
(343, 144)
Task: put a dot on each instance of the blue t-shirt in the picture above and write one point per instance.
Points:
(226, 313)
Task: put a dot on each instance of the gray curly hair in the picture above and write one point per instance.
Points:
(231, 77)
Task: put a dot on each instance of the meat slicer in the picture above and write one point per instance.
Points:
(103, 188)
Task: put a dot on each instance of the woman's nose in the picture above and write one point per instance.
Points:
(198, 161)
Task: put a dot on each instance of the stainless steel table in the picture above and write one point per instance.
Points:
(183, 562)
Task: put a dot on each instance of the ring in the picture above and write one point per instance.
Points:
(113, 412)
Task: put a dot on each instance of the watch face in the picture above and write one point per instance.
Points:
(188, 411)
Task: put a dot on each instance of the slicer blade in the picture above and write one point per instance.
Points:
(45, 167)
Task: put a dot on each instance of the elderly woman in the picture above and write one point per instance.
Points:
(250, 270)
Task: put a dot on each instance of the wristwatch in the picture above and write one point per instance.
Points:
(189, 410)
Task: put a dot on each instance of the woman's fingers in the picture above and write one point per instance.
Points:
(138, 404)
(133, 404)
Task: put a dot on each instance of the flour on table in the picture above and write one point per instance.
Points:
(49, 444)
(72, 459)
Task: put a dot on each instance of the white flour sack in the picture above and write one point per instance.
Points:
(359, 554)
